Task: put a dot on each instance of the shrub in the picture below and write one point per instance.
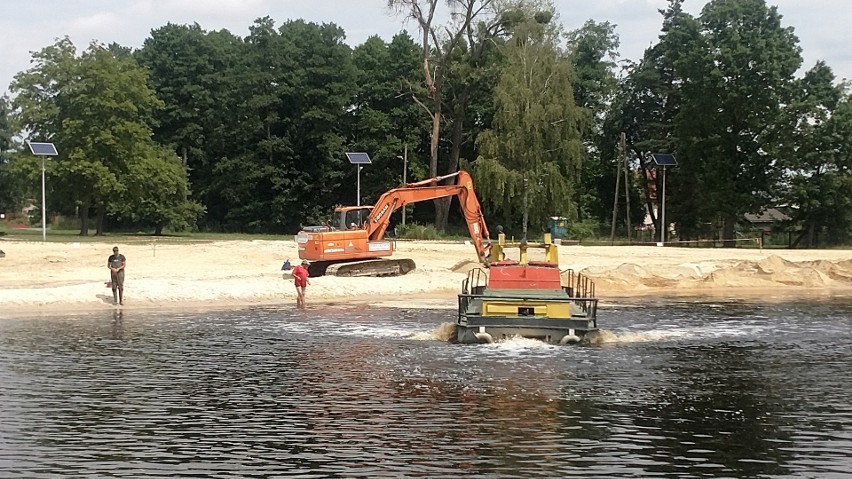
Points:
(418, 232)
(586, 229)
(66, 223)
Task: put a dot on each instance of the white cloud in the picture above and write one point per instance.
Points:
(221, 9)
(30, 25)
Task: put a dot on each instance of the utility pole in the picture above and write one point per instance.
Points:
(622, 165)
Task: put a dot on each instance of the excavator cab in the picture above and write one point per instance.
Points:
(351, 217)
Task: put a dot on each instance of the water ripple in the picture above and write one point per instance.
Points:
(679, 389)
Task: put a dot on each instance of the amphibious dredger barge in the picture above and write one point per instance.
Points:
(526, 298)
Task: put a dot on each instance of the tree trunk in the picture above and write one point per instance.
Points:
(100, 221)
(457, 132)
(442, 205)
(436, 135)
(728, 232)
(811, 235)
(440, 210)
(84, 219)
(158, 230)
(799, 237)
(435, 79)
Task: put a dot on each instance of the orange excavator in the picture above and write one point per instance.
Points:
(353, 243)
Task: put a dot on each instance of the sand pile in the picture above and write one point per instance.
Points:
(770, 272)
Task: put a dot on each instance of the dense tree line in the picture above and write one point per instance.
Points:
(209, 130)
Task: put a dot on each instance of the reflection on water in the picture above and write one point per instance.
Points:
(675, 389)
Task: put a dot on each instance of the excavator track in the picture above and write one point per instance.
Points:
(371, 267)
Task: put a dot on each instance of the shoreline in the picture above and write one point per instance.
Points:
(432, 300)
(38, 279)
(414, 301)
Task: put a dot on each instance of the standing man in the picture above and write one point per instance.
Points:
(116, 264)
(300, 277)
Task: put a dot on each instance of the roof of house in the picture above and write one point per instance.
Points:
(769, 215)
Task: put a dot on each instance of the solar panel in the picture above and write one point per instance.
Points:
(43, 149)
(359, 158)
(663, 159)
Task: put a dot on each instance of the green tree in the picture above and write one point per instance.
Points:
(255, 170)
(262, 122)
(6, 133)
(321, 79)
(157, 193)
(96, 108)
(383, 120)
(531, 159)
(9, 191)
(734, 87)
(593, 49)
(817, 152)
(194, 73)
(439, 49)
(648, 101)
(289, 128)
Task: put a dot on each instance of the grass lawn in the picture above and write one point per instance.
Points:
(73, 236)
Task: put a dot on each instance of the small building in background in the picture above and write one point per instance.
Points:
(768, 225)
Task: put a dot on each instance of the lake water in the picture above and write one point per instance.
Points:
(684, 388)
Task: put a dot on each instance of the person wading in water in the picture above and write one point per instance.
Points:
(300, 278)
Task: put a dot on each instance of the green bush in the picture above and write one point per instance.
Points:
(586, 229)
(34, 217)
(418, 232)
(67, 223)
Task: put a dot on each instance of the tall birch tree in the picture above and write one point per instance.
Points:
(531, 159)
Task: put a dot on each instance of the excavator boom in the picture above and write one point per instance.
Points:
(379, 218)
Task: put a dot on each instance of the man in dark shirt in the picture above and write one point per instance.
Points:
(116, 264)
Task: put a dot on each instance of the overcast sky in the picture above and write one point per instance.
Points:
(823, 26)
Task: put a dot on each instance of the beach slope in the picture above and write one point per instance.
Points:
(62, 277)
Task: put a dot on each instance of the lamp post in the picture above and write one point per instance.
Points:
(358, 192)
(663, 160)
(43, 204)
(526, 213)
(42, 150)
(663, 211)
(404, 159)
(358, 159)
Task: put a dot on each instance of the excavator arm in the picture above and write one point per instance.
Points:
(425, 190)
(358, 247)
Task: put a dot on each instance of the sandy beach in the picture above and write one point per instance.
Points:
(38, 278)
